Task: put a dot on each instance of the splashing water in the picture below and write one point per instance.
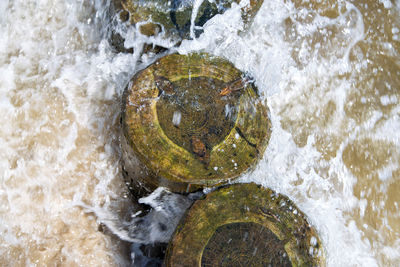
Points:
(328, 70)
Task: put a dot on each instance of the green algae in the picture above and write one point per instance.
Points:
(218, 137)
(224, 215)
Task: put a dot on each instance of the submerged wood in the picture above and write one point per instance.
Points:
(182, 133)
(245, 225)
(174, 16)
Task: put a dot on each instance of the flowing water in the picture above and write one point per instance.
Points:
(330, 71)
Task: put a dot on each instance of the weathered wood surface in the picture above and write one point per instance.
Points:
(182, 130)
(245, 225)
(172, 18)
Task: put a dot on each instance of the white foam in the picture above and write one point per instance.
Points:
(386, 3)
(176, 118)
(196, 6)
(51, 88)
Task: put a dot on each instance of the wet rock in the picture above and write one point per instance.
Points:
(117, 41)
(244, 225)
(190, 121)
(150, 29)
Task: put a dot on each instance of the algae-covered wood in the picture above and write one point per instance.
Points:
(245, 225)
(175, 16)
(192, 121)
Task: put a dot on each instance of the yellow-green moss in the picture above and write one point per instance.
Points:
(237, 206)
(231, 146)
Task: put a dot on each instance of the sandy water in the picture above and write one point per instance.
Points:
(330, 73)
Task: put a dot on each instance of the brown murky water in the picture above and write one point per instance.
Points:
(361, 126)
(330, 73)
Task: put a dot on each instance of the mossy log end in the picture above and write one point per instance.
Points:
(244, 225)
(175, 16)
(191, 121)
